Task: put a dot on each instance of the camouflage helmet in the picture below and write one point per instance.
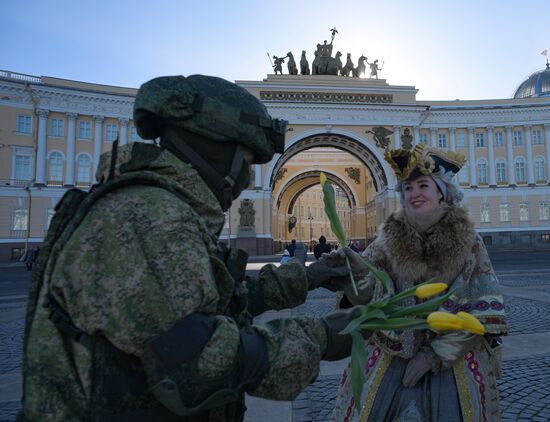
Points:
(210, 107)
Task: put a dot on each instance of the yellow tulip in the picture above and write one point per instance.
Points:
(443, 321)
(429, 290)
(471, 323)
(323, 178)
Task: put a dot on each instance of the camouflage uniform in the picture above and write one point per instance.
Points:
(142, 260)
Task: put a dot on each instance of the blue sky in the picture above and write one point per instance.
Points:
(448, 49)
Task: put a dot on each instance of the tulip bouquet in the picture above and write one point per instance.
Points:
(388, 313)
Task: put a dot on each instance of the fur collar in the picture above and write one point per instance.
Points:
(442, 251)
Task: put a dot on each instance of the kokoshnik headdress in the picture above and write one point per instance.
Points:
(427, 160)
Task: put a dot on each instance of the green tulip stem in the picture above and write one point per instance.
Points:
(355, 292)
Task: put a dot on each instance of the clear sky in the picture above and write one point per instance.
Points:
(465, 49)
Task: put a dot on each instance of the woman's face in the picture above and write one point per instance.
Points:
(421, 195)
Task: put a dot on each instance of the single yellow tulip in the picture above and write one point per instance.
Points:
(429, 290)
(323, 178)
(471, 323)
(444, 321)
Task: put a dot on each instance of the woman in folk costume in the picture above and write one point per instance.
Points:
(422, 375)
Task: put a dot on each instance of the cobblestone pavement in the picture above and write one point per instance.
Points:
(525, 386)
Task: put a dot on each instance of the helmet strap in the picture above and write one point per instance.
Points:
(221, 187)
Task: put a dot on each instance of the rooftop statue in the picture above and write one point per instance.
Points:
(304, 64)
(292, 69)
(278, 64)
(374, 69)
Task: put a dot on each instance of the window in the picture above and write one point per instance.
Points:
(523, 212)
(423, 138)
(544, 211)
(24, 124)
(460, 139)
(110, 133)
(463, 175)
(57, 128)
(518, 137)
(504, 212)
(545, 237)
(501, 171)
(482, 170)
(499, 139)
(442, 140)
(23, 166)
(537, 137)
(539, 169)
(83, 169)
(485, 213)
(480, 139)
(55, 167)
(520, 170)
(84, 129)
(134, 137)
(49, 215)
(20, 219)
(487, 240)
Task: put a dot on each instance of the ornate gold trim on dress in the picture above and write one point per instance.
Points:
(427, 160)
(373, 388)
(463, 391)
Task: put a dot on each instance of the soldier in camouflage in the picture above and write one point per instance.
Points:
(137, 313)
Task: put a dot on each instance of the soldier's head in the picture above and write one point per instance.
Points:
(215, 125)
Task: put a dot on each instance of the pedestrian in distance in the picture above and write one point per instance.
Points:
(321, 248)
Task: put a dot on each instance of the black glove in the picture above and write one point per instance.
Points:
(333, 278)
(338, 345)
(356, 261)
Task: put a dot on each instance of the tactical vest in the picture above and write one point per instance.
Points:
(123, 376)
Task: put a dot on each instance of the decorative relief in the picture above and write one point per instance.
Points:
(354, 174)
(247, 212)
(280, 175)
(325, 97)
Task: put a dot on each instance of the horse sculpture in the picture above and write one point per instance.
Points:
(345, 71)
(304, 65)
(292, 69)
(334, 65)
(361, 66)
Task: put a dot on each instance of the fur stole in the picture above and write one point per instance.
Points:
(441, 252)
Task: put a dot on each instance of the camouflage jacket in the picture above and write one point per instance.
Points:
(141, 261)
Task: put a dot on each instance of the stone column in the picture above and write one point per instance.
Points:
(472, 158)
(258, 176)
(397, 136)
(529, 151)
(490, 146)
(452, 140)
(98, 132)
(123, 123)
(547, 136)
(71, 141)
(40, 178)
(416, 134)
(433, 132)
(510, 157)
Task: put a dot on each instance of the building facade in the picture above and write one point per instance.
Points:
(52, 132)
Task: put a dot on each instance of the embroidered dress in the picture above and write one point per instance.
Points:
(461, 385)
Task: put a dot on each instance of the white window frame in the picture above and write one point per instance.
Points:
(84, 129)
(23, 124)
(480, 140)
(519, 168)
(461, 139)
(539, 167)
(423, 139)
(463, 176)
(49, 215)
(504, 211)
(57, 128)
(53, 176)
(16, 174)
(20, 219)
(499, 139)
(518, 138)
(134, 137)
(500, 168)
(537, 137)
(111, 132)
(78, 168)
(544, 211)
(442, 140)
(485, 213)
(482, 170)
(524, 211)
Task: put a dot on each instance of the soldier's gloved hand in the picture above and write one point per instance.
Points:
(338, 345)
(358, 267)
(333, 278)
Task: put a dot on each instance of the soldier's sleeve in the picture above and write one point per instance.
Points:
(277, 287)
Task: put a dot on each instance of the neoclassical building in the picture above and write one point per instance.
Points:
(52, 132)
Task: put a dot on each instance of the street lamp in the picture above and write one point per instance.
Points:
(310, 218)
